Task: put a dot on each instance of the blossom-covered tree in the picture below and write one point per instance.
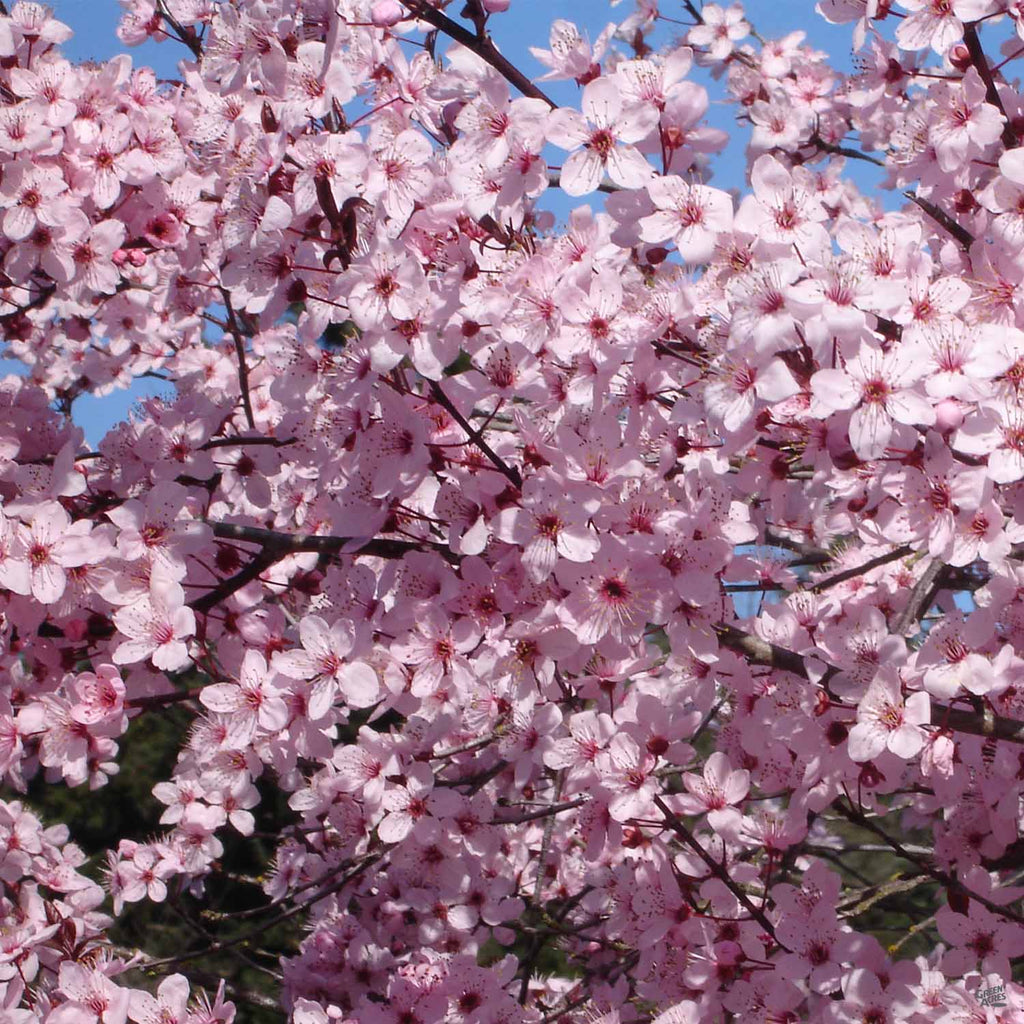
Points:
(624, 615)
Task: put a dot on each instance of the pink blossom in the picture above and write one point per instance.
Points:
(52, 545)
(881, 391)
(606, 132)
(90, 995)
(253, 703)
(169, 1006)
(720, 29)
(715, 792)
(322, 656)
(157, 626)
(938, 23)
(887, 720)
(691, 216)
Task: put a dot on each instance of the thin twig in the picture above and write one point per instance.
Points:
(475, 436)
(857, 817)
(860, 570)
(482, 46)
(228, 442)
(260, 563)
(275, 546)
(243, 369)
(261, 930)
(184, 35)
(325, 544)
(544, 812)
(921, 597)
(673, 821)
(853, 154)
(761, 652)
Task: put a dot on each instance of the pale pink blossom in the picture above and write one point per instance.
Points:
(600, 140)
(887, 720)
(157, 626)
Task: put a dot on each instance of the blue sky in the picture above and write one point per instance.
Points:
(94, 23)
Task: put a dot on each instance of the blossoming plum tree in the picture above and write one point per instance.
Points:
(627, 612)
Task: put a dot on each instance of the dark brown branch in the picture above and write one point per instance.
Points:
(980, 61)
(261, 930)
(228, 442)
(555, 181)
(184, 35)
(544, 812)
(809, 554)
(482, 46)
(243, 369)
(694, 13)
(943, 219)
(260, 563)
(475, 436)
(853, 154)
(921, 597)
(859, 570)
(275, 546)
(673, 822)
(760, 652)
(291, 543)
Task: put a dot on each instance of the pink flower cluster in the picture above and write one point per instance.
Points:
(594, 593)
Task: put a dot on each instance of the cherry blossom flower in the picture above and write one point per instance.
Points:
(781, 211)
(571, 55)
(888, 721)
(323, 653)
(157, 626)
(52, 545)
(169, 1006)
(606, 132)
(628, 772)
(880, 389)
(90, 995)
(714, 792)
(938, 23)
(720, 29)
(253, 703)
(691, 216)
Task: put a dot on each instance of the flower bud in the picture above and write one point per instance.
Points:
(386, 13)
(496, 6)
(949, 414)
(960, 57)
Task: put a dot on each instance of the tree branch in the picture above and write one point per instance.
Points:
(475, 436)
(482, 46)
(544, 812)
(921, 597)
(184, 35)
(292, 543)
(943, 219)
(853, 154)
(276, 546)
(673, 821)
(243, 370)
(859, 570)
(859, 818)
(261, 930)
(980, 61)
(760, 652)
